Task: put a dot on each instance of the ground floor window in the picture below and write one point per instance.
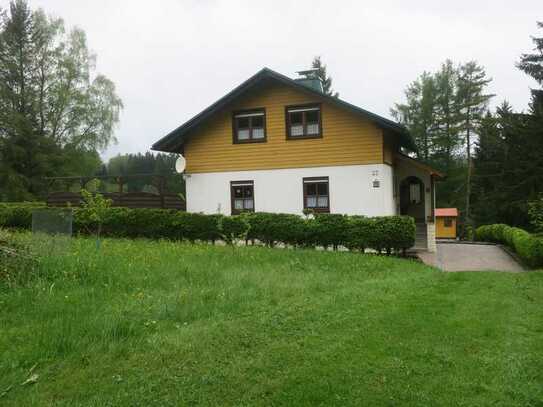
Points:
(447, 222)
(242, 195)
(316, 194)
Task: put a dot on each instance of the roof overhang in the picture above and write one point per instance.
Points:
(421, 165)
(173, 141)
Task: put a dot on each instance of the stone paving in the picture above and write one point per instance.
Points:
(471, 257)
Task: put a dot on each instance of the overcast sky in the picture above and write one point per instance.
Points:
(172, 58)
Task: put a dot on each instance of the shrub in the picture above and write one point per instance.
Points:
(12, 216)
(387, 233)
(392, 233)
(232, 228)
(329, 230)
(272, 228)
(359, 233)
(527, 246)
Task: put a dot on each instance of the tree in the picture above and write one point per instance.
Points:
(323, 76)
(447, 138)
(532, 64)
(148, 163)
(51, 102)
(472, 104)
(418, 114)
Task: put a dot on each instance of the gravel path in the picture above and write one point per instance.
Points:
(471, 257)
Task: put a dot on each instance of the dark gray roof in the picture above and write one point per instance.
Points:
(173, 141)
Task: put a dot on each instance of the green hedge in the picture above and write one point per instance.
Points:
(527, 246)
(388, 233)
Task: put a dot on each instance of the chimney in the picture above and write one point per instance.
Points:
(310, 79)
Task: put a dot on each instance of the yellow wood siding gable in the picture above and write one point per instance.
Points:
(347, 139)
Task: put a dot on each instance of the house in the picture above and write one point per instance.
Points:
(446, 223)
(276, 144)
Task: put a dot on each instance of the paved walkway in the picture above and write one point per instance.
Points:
(470, 257)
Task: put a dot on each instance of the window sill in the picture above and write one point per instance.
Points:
(318, 210)
(303, 137)
(249, 141)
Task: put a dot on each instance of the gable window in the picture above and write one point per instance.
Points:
(249, 126)
(316, 194)
(242, 196)
(303, 121)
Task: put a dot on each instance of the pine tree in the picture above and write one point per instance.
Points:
(323, 76)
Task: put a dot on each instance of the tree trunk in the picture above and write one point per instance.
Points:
(468, 179)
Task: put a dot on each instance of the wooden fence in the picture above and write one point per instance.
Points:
(160, 200)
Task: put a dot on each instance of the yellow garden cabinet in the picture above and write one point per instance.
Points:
(446, 223)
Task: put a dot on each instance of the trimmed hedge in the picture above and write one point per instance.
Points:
(387, 233)
(527, 246)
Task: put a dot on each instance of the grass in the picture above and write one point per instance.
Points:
(160, 323)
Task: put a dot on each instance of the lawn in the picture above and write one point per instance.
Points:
(160, 323)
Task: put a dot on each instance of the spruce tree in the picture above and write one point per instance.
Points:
(323, 76)
(532, 64)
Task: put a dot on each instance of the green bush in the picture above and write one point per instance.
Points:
(359, 233)
(387, 233)
(528, 247)
(17, 216)
(329, 230)
(272, 228)
(233, 228)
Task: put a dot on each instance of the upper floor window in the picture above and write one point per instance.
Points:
(249, 126)
(303, 121)
(242, 196)
(316, 194)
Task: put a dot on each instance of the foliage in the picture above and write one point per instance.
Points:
(325, 79)
(272, 228)
(532, 64)
(95, 209)
(55, 112)
(535, 211)
(148, 163)
(473, 102)
(386, 233)
(442, 112)
(326, 328)
(17, 265)
(328, 229)
(527, 246)
(508, 166)
(233, 228)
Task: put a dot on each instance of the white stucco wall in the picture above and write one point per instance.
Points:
(351, 189)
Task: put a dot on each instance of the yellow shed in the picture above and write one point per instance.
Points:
(446, 223)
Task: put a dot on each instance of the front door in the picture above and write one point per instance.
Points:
(412, 199)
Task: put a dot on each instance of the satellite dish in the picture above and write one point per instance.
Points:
(180, 164)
